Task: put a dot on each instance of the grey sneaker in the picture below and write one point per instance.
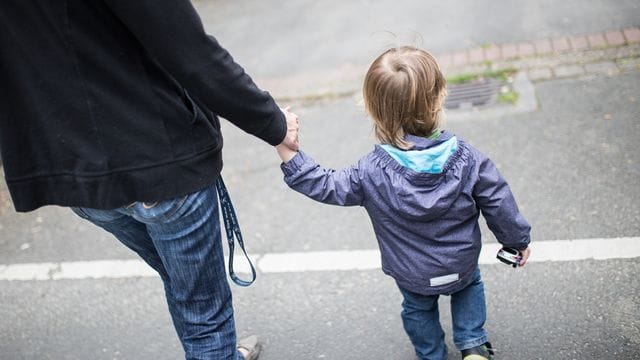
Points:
(482, 352)
(252, 346)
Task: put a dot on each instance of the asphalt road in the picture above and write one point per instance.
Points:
(573, 165)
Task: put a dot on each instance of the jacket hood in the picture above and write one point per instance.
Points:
(427, 177)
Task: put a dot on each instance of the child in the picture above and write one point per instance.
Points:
(423, 189)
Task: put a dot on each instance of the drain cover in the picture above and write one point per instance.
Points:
(472, 94)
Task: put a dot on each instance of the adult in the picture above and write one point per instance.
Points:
(111, 107)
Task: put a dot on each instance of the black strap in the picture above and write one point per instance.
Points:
(232, 227)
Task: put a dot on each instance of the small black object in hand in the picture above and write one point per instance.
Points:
(509, 256)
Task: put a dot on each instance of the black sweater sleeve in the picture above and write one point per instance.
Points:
(172, 32)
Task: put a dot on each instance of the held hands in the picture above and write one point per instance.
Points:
(289, 146)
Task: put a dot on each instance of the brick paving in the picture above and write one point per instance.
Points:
(602, 53)
(526, 49)
(579, 43)
(460, 58)
(614, 38)
(561, 44)
(597, 41)
(509, 51)
(476, 55)
(632, 35)
(492, 53)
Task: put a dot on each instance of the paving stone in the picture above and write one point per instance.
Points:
(614, 38)
(543, 46)
(608, 68)
(625, 52)
(540, 74)
(632, 35)
(560, 44)
(470, 69)
(558, 57)
(476, 55)
(460, 58)
(541, 62)
(597, 41)
(445, 60)
(526, 49)
(568, 70)
(509, 51)
(578, 42)
(628, 65)
(492, 52)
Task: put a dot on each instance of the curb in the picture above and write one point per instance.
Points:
(603, 53)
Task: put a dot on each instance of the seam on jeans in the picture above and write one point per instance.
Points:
(468, 344)
(177, 207)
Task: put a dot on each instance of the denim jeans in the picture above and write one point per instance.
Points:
(180, 239)
(421, 320)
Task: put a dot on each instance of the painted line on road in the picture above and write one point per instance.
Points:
(557, 250)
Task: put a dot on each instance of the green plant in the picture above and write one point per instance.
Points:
(509, 97)
(502, 75)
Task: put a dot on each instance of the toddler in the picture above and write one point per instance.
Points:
(423, 188)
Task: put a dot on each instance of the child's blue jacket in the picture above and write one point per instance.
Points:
(424, 205)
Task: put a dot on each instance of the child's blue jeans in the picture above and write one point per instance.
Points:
(421, 320)
(180, 239)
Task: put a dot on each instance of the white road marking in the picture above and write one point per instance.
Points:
(558, 250)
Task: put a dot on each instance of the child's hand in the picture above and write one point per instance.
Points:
(285, 153)
(293, 123)
(525, 255)
(288, 148)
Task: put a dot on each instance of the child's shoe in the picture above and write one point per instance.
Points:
(482, 352)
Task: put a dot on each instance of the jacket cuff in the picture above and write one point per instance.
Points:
(524, 245)
(294, 165)
(520, 245)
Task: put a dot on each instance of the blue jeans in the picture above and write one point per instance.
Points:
(180, 239)
(421, 320)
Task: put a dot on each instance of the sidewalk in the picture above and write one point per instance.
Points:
(609, 53)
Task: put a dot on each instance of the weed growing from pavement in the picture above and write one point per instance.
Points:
(508, 97)
(503, 75)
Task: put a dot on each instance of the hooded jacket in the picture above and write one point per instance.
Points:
(424, 205)
(107, 102)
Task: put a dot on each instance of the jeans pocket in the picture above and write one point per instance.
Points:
(158, 211)
(150, 205)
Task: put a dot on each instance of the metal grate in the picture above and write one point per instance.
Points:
(473, 94)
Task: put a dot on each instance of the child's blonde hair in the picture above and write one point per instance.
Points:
(404, 93)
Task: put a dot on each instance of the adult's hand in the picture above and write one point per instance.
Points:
(291, 139)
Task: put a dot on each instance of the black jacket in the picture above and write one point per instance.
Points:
(107, 102)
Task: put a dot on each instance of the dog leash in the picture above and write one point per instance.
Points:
(232, 228)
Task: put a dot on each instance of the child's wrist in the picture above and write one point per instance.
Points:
(285, 153)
